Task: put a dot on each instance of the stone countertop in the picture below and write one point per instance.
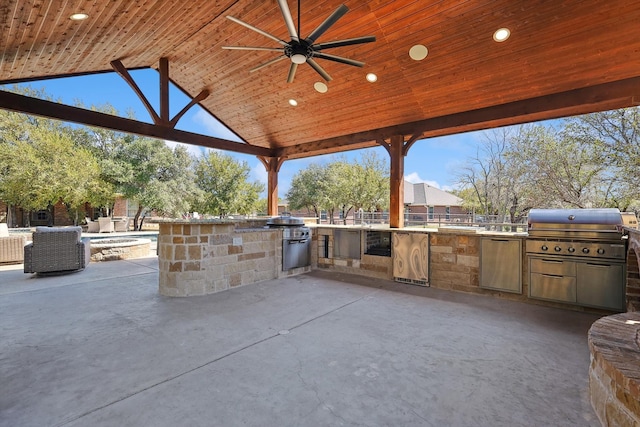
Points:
(445, 229)
(255, 229)
(224, 221)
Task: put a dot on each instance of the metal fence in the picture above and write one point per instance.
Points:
(486, 222)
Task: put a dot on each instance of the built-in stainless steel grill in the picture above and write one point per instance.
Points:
(577, 256)
(296, 241)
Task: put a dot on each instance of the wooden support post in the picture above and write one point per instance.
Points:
(272, 165)
(396, 202)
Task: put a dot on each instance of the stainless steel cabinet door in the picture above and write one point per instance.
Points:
(501, 264)
(601, 285)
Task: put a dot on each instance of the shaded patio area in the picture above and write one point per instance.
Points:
(103, 348)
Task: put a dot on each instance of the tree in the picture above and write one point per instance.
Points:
(143, 170)
(306, 189)
(341, 185)
(225, 185)
(157, 177)
(40, 164)
(561, 170)
(494, 177)
(615, 136)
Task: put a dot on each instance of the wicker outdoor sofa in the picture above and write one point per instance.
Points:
(57, 249)
(11, 247)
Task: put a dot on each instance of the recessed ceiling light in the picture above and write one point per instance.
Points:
(371, 77)
(79, 16)
(293, 102)
(320, 87)
(418, 52)
(501, 35)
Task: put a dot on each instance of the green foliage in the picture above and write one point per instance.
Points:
(225, 186)
(341, 186)
(589, 161)
(40, 164)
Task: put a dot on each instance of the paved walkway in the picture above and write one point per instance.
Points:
(102, 348)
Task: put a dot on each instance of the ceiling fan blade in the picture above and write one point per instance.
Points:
(259, 67)
(257, 30)
(292, 72)
(338, 59)
(346, 42)
(319, 69)
(273, 49)
(337, 14)
(288, 19)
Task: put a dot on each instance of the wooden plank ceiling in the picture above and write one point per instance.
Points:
(562, 58)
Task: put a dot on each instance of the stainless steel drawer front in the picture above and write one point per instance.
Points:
(556, 267)
(555, 288)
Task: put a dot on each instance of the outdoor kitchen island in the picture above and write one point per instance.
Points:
(199, 257)
(479, 261)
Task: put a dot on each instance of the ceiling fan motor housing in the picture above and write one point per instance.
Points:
(298, 48)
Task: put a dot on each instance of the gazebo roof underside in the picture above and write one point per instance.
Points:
(563, 58)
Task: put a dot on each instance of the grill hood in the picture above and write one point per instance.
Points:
(285, 221)
(597, 224)
(605, 216)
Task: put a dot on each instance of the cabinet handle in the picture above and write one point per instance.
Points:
(598, 265)
(500, 240)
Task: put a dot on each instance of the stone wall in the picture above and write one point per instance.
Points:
(614, 373)
(455, 261)
(633, 273)
(201, 258)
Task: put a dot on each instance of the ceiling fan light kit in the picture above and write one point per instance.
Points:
(301, 51)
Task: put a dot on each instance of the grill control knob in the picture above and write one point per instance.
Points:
(585, 250)
(544, 247)
(571, 249)
(557, 249)
(600, 251)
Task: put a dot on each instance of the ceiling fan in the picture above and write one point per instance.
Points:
(300, 50)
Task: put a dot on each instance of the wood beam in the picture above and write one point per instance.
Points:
(396, 199)
(39, 107)
(272, 165)
(163, 118)
(201, 96)
(409, 143)
(163, 67)
(602, 97)
(119, 68)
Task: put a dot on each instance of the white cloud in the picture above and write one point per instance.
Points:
(414, 178)
(214, 127)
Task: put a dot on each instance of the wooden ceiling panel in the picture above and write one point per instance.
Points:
(554, 47)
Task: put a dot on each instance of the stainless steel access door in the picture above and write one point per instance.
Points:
(601, 284)
(501, 264)
(296, 253)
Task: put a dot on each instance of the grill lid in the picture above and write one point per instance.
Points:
(591, 224)
(604, 216)
(285, 221)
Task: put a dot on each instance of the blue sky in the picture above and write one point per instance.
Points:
(432, 161)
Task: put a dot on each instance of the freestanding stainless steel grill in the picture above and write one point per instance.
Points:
(577, 256)
(296, 241)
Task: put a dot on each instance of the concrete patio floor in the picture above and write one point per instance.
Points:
(102, 348)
